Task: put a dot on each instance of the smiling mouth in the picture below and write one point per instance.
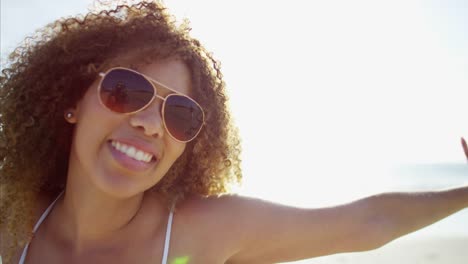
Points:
(133, 152)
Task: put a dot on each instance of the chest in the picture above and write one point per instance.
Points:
(197, 236)
(185, 247)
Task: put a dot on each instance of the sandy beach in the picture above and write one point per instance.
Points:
(446, 250)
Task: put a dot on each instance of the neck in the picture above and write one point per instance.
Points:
(89, 219)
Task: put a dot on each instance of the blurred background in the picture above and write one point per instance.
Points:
(335, 100)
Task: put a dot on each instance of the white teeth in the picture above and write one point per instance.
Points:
(132, 152)
(139, 155)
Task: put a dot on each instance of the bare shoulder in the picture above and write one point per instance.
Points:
(231, 219)
(251, 230)
(7, 239)
(227, 206)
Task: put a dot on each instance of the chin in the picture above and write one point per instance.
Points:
(119, 186)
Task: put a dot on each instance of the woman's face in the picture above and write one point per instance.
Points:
(95, 157)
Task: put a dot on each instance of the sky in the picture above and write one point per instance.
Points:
(329, 96)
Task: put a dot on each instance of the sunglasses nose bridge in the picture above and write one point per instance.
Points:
(157, 96)
(149, 119)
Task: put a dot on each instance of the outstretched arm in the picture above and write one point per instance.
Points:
(273, 233)
(403, 213)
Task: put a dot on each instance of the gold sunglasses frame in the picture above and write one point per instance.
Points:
(153, 83)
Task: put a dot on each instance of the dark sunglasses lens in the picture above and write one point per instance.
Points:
(183, 117)
(124, 91)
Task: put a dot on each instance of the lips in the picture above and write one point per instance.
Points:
(133, 155)
(132, 151)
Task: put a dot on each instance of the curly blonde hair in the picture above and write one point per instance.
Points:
(51, 71)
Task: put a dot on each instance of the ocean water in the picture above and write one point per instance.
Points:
(335, 183)
(433, 176)
(430, 175)
(440, 243)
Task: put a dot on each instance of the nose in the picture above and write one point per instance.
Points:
(149, 120)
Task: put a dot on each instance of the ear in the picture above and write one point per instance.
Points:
(70, 115)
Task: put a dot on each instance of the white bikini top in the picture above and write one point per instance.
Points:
(47, 211)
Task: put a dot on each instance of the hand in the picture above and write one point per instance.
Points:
(465, 147)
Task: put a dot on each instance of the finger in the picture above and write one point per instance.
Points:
(465, 147)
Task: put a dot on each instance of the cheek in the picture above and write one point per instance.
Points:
(173, 151)
(180, 151)
(92, 123)
(87, 139)
(176, 150)
(179, 148)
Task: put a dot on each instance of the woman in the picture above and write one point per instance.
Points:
(116, 144)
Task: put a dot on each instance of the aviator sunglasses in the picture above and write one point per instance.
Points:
(126, 91)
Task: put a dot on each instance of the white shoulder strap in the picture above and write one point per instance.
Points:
(46, 213)
(23, 255)
(168, 235)
(38, 223)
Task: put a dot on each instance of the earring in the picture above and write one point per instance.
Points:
(68, 115)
